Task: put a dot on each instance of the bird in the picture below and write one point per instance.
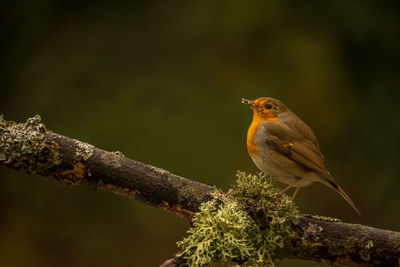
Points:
(283, 146)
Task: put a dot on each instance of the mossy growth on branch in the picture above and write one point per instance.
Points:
(245, 226)
(23, 146)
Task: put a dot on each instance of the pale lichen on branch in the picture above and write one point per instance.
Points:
(23, 146)
(243, 226)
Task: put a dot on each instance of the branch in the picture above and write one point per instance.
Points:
(30, 147)
(175, 261)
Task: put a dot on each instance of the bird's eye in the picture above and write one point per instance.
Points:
(268, 106)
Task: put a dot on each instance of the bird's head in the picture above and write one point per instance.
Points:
(266, 108)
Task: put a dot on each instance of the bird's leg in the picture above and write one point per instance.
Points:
(295, 193)
(286, 189)
(294, 184)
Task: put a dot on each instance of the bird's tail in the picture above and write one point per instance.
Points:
(341, 192)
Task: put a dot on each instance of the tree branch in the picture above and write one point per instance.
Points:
(175, 261)
(32, 148)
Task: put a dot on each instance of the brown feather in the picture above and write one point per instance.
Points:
(303, 151)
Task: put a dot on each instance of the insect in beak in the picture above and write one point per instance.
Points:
(249, 102)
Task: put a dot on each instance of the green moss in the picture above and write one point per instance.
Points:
(369, 245)
(244, 226)
(23, 146)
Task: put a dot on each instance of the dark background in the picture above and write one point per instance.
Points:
(161, 81)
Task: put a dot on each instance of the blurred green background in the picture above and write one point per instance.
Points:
(161, 81)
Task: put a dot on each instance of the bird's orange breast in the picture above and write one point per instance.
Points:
(252, 146)
(252, 143)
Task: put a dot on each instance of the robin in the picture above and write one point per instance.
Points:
(282, 145)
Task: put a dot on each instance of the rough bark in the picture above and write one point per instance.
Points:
(32, 148)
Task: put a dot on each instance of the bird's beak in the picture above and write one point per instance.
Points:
(249, 102)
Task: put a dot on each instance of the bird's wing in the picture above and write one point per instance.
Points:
(304, 152)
